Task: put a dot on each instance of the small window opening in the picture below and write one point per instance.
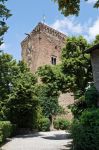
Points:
(53, 60)
(56, 47)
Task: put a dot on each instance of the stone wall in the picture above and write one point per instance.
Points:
(65, 100)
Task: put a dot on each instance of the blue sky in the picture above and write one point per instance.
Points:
(27, 14)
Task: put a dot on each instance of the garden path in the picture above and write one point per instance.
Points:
(54, 140)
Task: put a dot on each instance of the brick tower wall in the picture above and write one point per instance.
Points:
(40, 46)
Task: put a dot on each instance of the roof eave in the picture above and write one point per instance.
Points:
(92, 48)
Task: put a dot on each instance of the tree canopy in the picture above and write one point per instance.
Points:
(48, 90)
(8, 71)
(18, 100)
(4, 15)
(76, 65)
(71, 7)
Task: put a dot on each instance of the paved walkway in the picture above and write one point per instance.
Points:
(54, 140)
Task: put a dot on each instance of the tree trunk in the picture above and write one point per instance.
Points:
(51, 120)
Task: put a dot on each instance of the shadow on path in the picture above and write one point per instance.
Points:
(58, 137)
(32, 135)
(68, 146)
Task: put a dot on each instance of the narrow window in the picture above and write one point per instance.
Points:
(53, 60)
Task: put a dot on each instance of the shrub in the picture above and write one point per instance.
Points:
(85, 132)
(5, 130)
(44, 124)
(91, 96)
(61, 123)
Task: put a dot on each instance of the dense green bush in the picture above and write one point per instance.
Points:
(88, 100)
(5, 130)
(22, 103)
(85, 132)
(91, 96)
(44, 124)
(61, 123)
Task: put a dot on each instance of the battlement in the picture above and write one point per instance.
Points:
(41, 27)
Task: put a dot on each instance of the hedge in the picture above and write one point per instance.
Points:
(5, 130)
(44, 124)
(61, 123)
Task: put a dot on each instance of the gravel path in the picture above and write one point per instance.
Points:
(54, 140)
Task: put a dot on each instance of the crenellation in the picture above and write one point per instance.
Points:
(42, 27)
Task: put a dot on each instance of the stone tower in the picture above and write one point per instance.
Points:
(42, 46)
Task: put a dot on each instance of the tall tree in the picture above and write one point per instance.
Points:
(4, 15)
(22, 103)
(8, 71)
(48, 91)
(76, 65)
(71, 7)
(18, 101)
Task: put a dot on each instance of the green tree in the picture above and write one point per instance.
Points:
(8, 71)
(76, 65)
(71, 7)
(18, 100)
(48, 99)
(48, 90)
(53, 75)
(4, 15)
(22, 104)
(88, 100)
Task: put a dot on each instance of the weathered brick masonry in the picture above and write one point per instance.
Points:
(43, 46)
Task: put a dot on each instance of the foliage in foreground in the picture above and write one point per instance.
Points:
(5, 130)
(85, 132)
(88, 100)
(85, 127)
(4, 15)
(71, 7)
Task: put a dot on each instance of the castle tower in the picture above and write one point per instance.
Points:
(42, 46)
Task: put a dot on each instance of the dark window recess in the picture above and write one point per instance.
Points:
(55, 47)
(53, 60)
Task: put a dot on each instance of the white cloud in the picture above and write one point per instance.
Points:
(91, 1)
(3, 46)
(67, 24)
(70, 26)
(94, 29)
